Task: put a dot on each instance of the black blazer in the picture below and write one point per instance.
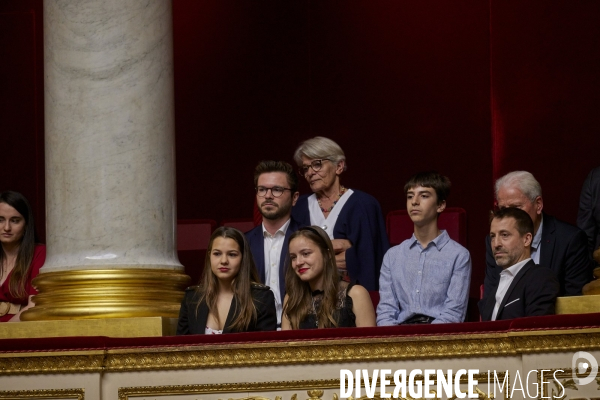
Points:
(256, 240)
(564, 251)
(532, 292)
(588, 218)
(191, 323)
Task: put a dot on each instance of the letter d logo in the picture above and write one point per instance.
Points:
(580, 366)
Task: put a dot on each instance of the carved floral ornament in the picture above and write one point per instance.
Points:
(290, 353)
(77, 394)
(314, 389)
(565, 380)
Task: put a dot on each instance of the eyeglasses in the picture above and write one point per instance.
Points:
(316, 165)
(276, 191)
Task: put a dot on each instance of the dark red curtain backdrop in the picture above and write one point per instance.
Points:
(471, 88)
(546, 86)
(22, 103)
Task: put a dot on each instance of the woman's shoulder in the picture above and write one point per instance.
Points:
(192, 292)
(358, 292)
(39, 251)
(39, 257)
(261, 292)
(363, 198)
(258, 286)
(258, 289)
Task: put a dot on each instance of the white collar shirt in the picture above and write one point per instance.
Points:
(506, 277)
(272, 248)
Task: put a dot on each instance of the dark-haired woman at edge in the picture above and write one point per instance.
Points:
(229, 298)
(316, 296)
(20, 257)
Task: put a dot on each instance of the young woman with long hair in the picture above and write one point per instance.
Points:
(316, 296)
(20, 257)
(229, 297)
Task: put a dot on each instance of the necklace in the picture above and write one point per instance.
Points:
(340, 194)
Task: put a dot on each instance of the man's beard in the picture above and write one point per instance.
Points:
(278, 211)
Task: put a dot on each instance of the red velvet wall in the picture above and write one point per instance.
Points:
(473, 89)
(546, 87)
(22, 103)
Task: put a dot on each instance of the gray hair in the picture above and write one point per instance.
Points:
(319, 147)
(522, 180)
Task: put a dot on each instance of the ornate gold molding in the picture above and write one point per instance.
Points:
(303, 352)
(565, 377)
(570, 340)
(379, 349)
(127, 392)
(313, 388)
(50, 364)
(78, 394)
(290, 353)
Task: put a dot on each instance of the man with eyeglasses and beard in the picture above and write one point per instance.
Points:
(276, 187)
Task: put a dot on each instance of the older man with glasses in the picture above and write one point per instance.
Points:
(276, 187)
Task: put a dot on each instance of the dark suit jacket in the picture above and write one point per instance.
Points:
(191, 322)
(564, 251)
(588, 218)
(361, 222)
(532, 292)
(256, 240)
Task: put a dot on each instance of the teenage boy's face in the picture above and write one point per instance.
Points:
(422, 205)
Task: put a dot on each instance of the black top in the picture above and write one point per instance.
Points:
(343, 314)
(192, 319)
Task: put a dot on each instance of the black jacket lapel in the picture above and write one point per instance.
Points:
(230, 316)
(513, 284)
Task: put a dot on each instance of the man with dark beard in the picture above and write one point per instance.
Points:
(523, 288)
(276, 187)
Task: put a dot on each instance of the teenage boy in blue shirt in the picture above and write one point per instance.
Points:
(426, 278)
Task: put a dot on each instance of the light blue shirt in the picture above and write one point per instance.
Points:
(433, 281)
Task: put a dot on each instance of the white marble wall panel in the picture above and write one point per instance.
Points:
(109, 114)
(50, 386)
(169, 385)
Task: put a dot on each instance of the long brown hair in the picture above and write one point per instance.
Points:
(208, 290)
(20, 273)
(299, 303)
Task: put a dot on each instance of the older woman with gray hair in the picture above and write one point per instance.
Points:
(352, 219)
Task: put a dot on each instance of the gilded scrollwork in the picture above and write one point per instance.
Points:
(289, 353)
(205, 357)
(562, 379)
(558, 342)
(314, 389)
(312, 395)
(480, 393)
(51, 364)
(78, 394)
(252, 398)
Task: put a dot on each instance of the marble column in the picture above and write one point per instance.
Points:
(110, 162)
